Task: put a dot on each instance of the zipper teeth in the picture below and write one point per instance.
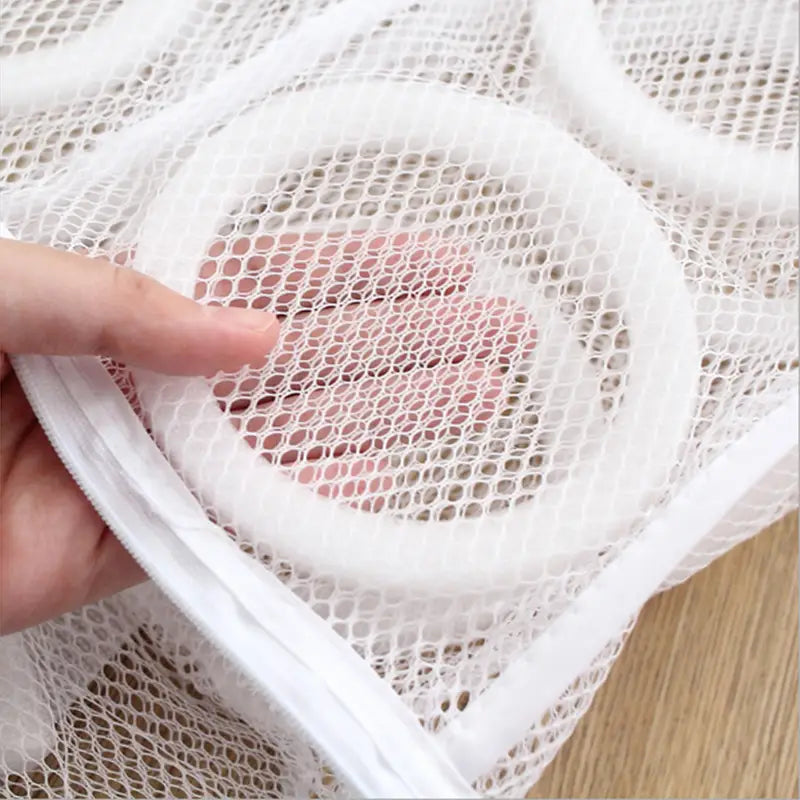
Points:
(347, 712)
(23, 372)
(33, 395)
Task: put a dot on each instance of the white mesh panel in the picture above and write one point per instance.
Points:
(515, 324)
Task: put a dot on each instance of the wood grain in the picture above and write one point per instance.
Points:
(703, 700)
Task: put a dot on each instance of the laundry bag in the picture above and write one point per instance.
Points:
(535, 264)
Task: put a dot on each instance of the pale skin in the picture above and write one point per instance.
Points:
(56, 554)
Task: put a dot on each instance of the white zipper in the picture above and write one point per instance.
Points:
(373, 740)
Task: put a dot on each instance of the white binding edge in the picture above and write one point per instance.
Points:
(641, 135)
(372, 549)
(497, 720)
(83, 63)
(28, 718)
(291, 654)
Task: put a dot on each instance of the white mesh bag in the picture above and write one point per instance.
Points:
(535, 266)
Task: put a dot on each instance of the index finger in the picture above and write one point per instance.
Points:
(54, 302)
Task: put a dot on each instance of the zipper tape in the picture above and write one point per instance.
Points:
(292, 655)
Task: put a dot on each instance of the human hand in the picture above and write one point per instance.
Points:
(56, 554)
(380, 347)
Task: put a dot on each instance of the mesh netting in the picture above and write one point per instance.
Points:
(535, 267)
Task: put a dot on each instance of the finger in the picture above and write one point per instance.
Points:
(292, 273)
(346, 344)
(57, 554)
(58, 303)
(393, 411)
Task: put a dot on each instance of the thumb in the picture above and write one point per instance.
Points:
(58, 303)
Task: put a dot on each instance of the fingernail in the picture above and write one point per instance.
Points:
(261, 321)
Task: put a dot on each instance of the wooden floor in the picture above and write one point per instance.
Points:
(703, 701)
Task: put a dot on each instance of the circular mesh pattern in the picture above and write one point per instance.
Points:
(380, 328)
(506, 346)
